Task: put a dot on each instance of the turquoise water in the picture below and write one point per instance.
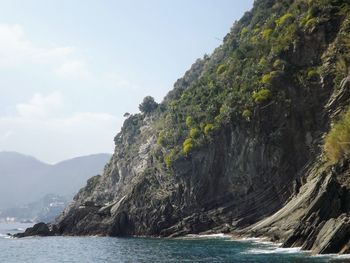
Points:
(104, 249)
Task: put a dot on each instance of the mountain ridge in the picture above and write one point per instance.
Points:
(23, 173)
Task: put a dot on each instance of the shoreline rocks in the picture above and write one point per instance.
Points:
(39, 229)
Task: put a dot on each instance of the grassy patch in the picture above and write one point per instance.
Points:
(337, 142)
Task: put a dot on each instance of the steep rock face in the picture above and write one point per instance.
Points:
(246, 173)
(317, 218)
(238, 176)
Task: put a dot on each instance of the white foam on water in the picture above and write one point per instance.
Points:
(5, 236)
(247, 239)
(219, 235)
(332, 256)
(274, 250)
(346, 256)
(258, 240)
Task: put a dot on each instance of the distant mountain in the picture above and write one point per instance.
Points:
(24, 179)
(20, 162)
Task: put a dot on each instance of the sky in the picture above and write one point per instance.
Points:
(70, 69)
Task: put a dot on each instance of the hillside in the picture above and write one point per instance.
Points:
(46, 209)
(25, 179)
(243, 144)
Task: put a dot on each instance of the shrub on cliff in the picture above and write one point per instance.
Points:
(208, 128)
(187, 146)
(247, 114)
(148, 105)
(312, 75)
(194, 133)
(221, 69)
(189, 122)
(269, 77)
(161, 140)
(285, 19)
(261, 95)
(337, 142)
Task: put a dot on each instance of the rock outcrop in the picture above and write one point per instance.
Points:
(39, 229)
(236, 149)
(317, 218)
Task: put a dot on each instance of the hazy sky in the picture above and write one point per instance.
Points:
(70, 69)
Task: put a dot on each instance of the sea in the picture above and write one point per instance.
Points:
(209, 248)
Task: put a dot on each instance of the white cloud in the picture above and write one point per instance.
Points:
(35, 130)
(40, 106)
(17, 50)
(37, 127)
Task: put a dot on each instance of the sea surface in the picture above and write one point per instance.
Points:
(215, 248)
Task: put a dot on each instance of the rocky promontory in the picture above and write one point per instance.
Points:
(245, 143)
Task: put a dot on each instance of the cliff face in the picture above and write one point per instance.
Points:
(237, 146)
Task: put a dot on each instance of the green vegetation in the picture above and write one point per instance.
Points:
(266, 33)
(247, 114)
(161, 138)
(266, 78)
(194, 133)
(189, 122)
(311, 23)
(148, 105)
(221, 69)
(287, 18)
(249, 69)
(337, 142)
(244, 32)
(168, 161)
(279, 64)
(169, 158)
(208, 128)
(343, 63)
(261, 95)
(313, 74)
(187, 146)
(269, 77)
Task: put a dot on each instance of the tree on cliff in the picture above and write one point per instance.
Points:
(148, 105)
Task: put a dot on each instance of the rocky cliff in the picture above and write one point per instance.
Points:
(238, 145)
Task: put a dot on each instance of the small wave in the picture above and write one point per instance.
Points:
(5, 236)
(246, 239)
(270, 243)
(257, 240)
(347, 256)
(278, 250)
(209, 236)
(253, 240)
(333, 256)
